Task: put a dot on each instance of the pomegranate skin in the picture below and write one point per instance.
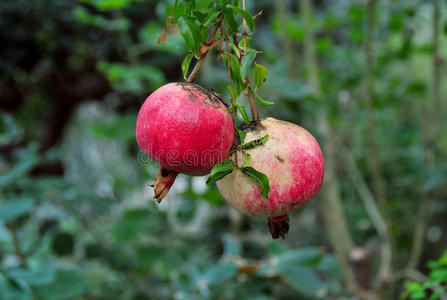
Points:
(291, 159)
(185, 128)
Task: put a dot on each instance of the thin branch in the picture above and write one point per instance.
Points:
(374, 214)
(334, 215)
(428, 131)
(199, 63)
(378, 214)
(379, 188)
(286, 43)
(244, 33)
(436, 60)
(252, 101)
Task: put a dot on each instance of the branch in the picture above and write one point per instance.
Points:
(436, 60)
(335, 219)
(378, 215)
(379, 189)
(286, 43)
(252, 101)
(199, 63)
(428, 132)
(375, 216)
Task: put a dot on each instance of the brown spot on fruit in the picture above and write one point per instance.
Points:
(279, 158)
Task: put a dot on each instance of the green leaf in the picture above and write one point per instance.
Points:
(246, 62)
(235, 49)
(243, 112)
(33, 277)
(185, 65)
(260, 75)
(246, 15)
(130, 225)
(211, 18)
(190, 33)
(242, 43)
(220, 170)
(241, 134)
(247, 159)
(235, 71)
(231, 245)
(68, 284)
(218, 273)
(19, 169)
(259, 99)
(256, 143)
(228, 15)
(305, 281)
(260, 178)
(14, 209)
(234, 93)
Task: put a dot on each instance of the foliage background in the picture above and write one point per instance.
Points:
(77, 218)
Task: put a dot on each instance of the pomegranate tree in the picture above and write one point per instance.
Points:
(289, 157)
(186, 129)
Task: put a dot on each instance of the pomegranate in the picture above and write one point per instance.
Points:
(186, 129)
(292, 161)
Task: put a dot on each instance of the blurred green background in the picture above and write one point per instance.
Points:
(77, 219)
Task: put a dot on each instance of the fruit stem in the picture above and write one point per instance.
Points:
(279, 226)
(199, 63)
(163, 182)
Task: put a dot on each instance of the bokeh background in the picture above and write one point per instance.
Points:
(78, 221)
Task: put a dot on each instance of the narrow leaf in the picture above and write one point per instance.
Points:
(228, 15)
(235, 71)
(246, 15)
(246, 62)
(190, 33)
(235, 49)
(256, 143)
(244, 114)
(260, 75)
(220, 170)
(247, 159)
(234, 93)
(241, 134)
(247, 43)
(260, 179)
(185, 65)
(259, 99)
(211, 18)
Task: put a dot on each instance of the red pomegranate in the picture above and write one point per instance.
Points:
(292, 161)
(186, 129)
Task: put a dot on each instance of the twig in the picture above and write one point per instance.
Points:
(378, 214)
(286, 43)
(334, 215)
(245, 30)
(437, 105)
(428, 132)
(199, 63)
(252, 101)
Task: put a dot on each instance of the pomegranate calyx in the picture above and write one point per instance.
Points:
(163, 182)
(279, 226)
